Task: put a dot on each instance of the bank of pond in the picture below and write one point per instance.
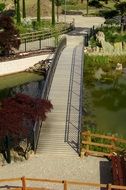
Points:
(27, 83)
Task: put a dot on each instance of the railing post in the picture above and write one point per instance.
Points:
(25, 45)
(108, 186)
(88, 138)
(65, 185)
(23, 183)
(113, 144)
(40, 43)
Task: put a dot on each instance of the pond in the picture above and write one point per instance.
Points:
(105, 106)
(24, 82)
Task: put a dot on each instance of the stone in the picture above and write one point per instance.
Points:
(100, 36)
(99, 73)
(105, 46)
(118, 47)
(119, 67)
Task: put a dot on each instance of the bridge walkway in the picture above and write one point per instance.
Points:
(51, 140)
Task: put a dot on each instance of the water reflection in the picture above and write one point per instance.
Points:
(107, 103)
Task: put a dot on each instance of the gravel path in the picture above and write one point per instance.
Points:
(89, 169)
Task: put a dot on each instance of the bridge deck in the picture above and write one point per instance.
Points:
(52, 134)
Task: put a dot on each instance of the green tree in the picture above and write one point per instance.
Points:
(38, 11)
(87, 6)
(18, 14)
(58, 3)
(53, 13)
(23, 9)
(121, 7)
(2, 6)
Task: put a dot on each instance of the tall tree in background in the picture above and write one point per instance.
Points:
(87, 6)
(23, 9)
(18, 14)
(121, 7)
(53, 13)
(38, 11)
(58, 3)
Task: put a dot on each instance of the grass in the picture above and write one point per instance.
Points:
(13, 80)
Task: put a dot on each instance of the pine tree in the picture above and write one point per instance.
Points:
(38, 11)
(53, 12)
(23, 9)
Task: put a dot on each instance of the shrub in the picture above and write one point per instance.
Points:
(108, 13)
(95, 3)
(9, 35)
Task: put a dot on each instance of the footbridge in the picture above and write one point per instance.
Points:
(60, 134)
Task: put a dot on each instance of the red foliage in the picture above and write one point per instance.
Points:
(15, 110)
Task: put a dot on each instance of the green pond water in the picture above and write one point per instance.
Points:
(105, 106)
(24, 82)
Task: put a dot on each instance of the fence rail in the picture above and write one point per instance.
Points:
(65, 183)
(34, 36)
(110, 143)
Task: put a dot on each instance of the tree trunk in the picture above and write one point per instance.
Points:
(87, 6)
(38, 11)
(53, 12)
(7, 149)
(18, 12)
(57, 12)
(23, 9)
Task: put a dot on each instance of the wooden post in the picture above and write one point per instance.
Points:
(108, 186)
(113, 144)
(40, 43)
(88, 138)
(25, 44)
(65, 185)
(23, 183)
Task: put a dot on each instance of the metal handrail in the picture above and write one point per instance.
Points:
(69, 97)
(46, 89)
(81, 99)
(69, 104)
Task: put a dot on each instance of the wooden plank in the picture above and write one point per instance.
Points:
(96, 153)
(118, 187)
(86, 184)
(105, 137)
(11, 179)
(102, 145)
(97, 144)
(45, 180)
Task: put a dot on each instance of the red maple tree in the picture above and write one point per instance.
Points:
(16, 111)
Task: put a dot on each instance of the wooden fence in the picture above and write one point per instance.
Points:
(46, 33)
(101, 145)
(65, 184)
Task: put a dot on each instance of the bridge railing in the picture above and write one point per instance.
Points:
(47, 86)
(66, 184)
(74, 104)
